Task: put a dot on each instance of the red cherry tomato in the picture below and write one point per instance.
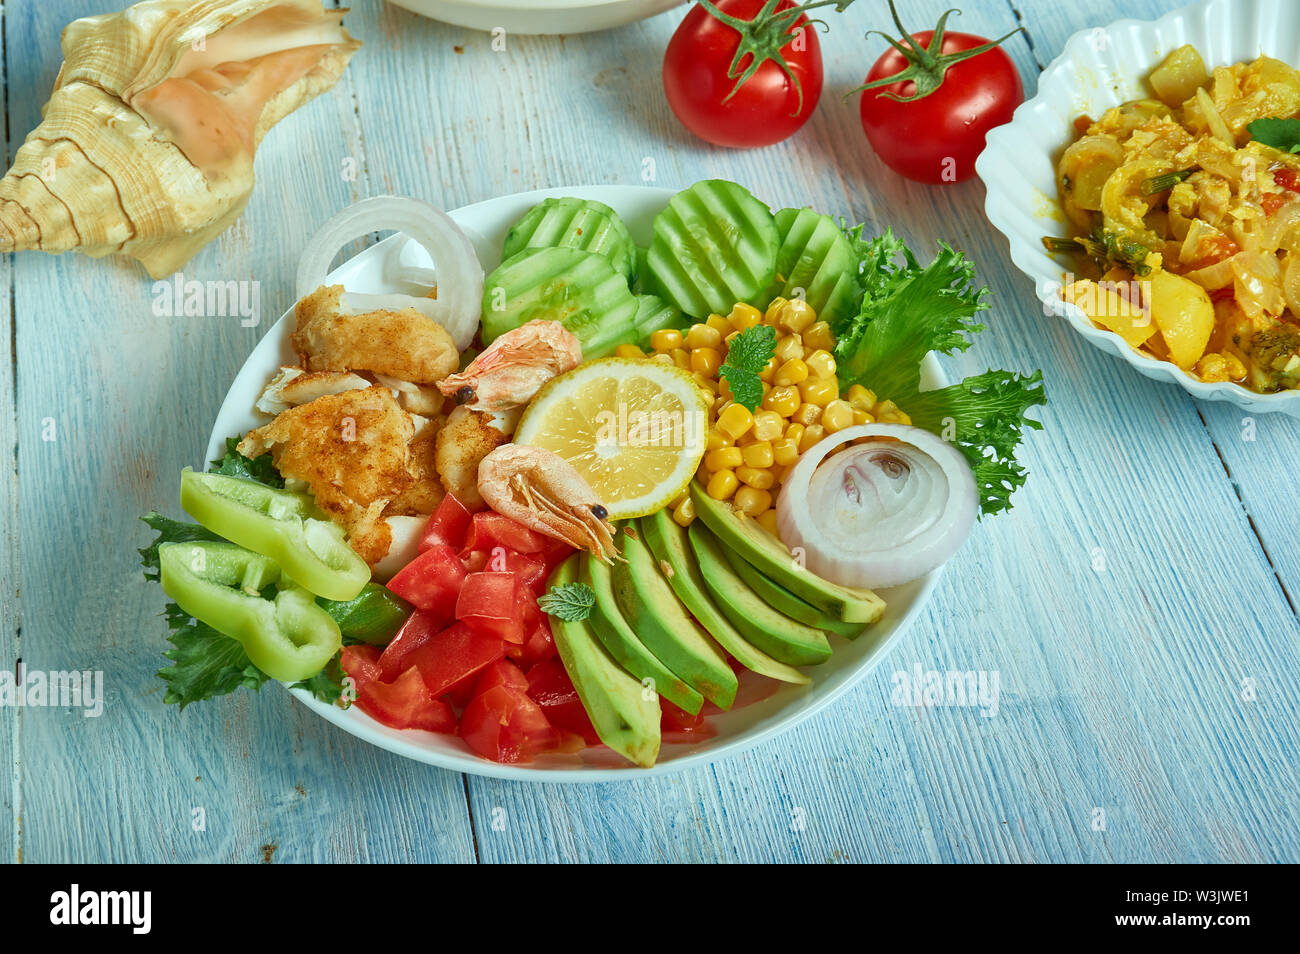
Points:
(767, 107)
(938, 138)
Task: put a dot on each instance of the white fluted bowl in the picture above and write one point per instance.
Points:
(1098, 69)
(538, 16)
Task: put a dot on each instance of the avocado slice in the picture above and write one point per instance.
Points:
(654, 613)
(617, 637)
(625, 716)
(668, 543)
(775, 633)
(783, 601)
(773, 558)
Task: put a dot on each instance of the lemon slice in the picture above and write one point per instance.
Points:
(634, 428)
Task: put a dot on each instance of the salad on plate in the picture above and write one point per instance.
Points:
(598, 494)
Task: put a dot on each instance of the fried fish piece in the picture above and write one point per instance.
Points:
(352, 451)
(463, 442)
(405, 345)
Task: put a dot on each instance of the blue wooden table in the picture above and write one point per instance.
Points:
(1138, 605)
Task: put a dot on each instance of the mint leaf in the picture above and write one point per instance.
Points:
(747, 355)
(571, 602)
(1281, 134)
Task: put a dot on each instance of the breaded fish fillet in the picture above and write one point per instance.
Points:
(405, 344)
(352, 450)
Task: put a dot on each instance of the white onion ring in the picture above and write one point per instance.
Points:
(456, 265)
(879, 513)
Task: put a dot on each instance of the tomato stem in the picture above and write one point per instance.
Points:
(926, 68)
(763, 37)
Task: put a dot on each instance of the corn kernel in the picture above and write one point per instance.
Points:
(724, 391)
(684, 513)
(706, 360)
(818, 336)
(717, 440)
(884, 408)
(796, 315)
(807, 414)
(785, 401)
(703, 336)
(788, 347)
(820, 390)
(757, 454)
(724, 458)
(735, 420)
(722, 485)
(744, 316)
(774, 310)
(862, 417)
(663, 357)
(785, 450)
(755, 477)
(684, 495)
(768, 424)
(752, 501)
(821, 363)
(705, 383)
(719, 324)
(861, 398)
(792, 372)
(795, 430)
(666, 339)
(681, 358)
(629, 351)
(837, 416)
(747, 438)
(767, 520)
(769, 370)
(812, 435)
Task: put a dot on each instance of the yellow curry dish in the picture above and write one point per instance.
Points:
(1183, 213)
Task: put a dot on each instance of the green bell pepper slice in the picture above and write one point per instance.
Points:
(288, 637)
(374, 617)
(280, 524)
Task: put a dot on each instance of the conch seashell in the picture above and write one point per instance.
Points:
(146, 145)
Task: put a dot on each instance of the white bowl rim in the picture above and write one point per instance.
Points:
(1285, 402)
(360, 725)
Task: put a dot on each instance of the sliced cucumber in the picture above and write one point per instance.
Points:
(581, 290)
(654, 314)
(816, 263)
(575, 223)
(714, 245)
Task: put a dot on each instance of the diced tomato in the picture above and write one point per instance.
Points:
(489, 604)
(361, 663)
(678, 725)
(488, 530)
(460, 694)
(475, 561)
(420, 627)
(556, 552)
(1274, 201)
(448, 526)
(531, 570)
(455, 654)
(539, 647)
(1223, 294)
(550, 687)
(530, 614)
(501, 673)
(1288, 179)
(406, 704)
(505, 725)
(431, 581)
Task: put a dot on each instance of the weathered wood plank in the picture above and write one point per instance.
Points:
(132, 395)
(10, 541)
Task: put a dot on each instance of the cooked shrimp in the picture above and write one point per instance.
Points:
(405, 345)
(514, 367)
(463, 442)
(541, 490)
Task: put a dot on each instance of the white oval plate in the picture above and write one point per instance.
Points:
(780, 706)
(538, 16)
(1098, 69)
